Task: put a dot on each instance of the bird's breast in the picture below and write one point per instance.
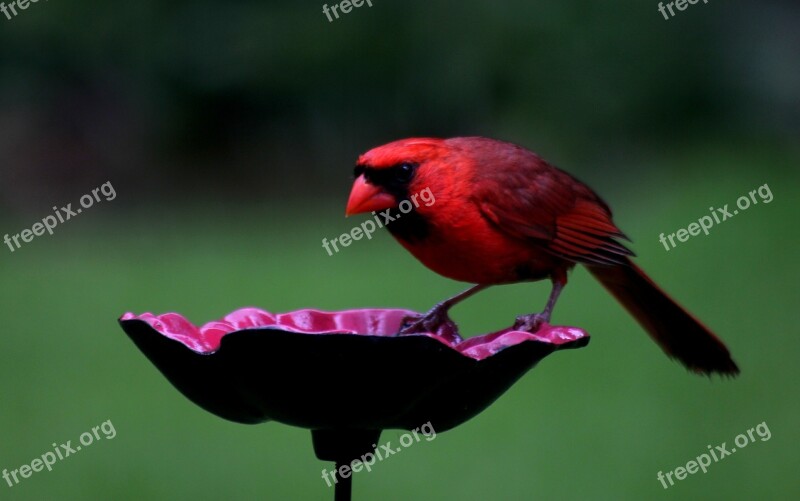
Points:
(469, 249)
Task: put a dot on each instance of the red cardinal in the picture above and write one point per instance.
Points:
(502, 215)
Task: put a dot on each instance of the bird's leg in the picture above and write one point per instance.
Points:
(437, 316)
(531, 322)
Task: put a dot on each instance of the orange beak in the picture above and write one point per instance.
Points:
(365, 197)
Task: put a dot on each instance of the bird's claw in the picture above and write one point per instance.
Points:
(429, 322)
(531, 322)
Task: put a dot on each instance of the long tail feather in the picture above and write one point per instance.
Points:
(678, 333)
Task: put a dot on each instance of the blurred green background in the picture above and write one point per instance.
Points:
(229, 132)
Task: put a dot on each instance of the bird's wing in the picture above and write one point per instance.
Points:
(528, 199)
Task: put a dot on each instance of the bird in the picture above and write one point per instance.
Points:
(501, 215)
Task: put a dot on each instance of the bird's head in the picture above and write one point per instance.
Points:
(390, 174)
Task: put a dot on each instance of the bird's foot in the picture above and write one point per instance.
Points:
(531, 322)
(432, 322)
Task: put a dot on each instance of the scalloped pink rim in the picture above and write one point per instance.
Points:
(368, 322)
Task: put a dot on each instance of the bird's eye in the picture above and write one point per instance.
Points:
(405, 171)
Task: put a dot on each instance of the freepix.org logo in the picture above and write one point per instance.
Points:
(59, 216)
(368, 227)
